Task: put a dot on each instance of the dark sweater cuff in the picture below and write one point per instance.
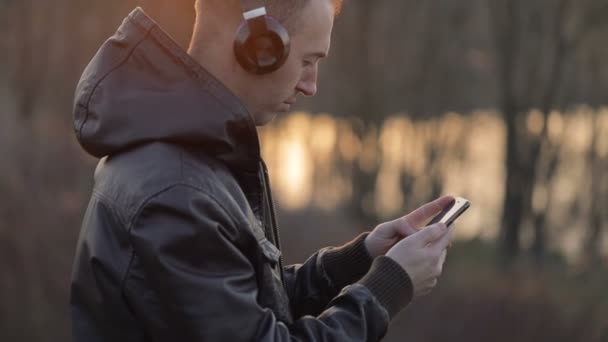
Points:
(346, 264)
(390, 284)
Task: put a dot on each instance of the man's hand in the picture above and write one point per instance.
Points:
(387, 234)
(422, 255)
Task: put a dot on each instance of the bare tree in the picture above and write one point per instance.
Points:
(598, 193)
(532, 51)
(33, 24)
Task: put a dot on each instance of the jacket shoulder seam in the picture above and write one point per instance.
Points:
(110, 203)
(141, 207)
(168, 188)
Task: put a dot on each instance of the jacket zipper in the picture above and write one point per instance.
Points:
(273, 218)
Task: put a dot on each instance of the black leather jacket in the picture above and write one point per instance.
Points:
(179, 241)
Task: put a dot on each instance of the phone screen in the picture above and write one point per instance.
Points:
(452, 212)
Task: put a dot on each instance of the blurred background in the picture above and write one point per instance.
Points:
(499, 101)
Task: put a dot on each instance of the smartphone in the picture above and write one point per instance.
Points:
(451, 212)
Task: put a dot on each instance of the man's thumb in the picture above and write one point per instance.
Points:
(431, 233)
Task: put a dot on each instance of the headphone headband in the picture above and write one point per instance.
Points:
(254, 13)
(249, 5)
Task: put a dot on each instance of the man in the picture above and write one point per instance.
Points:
(179, 241)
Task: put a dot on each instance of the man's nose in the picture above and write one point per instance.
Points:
(308, 85)
(308, 88)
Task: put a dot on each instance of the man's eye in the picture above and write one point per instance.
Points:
(307, 63)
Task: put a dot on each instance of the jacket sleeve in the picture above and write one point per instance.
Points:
(206, 286)
(311, 285)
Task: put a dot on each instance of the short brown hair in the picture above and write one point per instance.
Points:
(283, 10)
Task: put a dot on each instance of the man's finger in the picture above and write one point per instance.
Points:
(421, 215)
(451, 228)
(444, 241)
(405, 227)
(444, 254)
(431, 234)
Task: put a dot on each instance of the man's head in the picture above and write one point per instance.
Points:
(309, 23)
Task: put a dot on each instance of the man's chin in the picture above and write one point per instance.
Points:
(265, 118)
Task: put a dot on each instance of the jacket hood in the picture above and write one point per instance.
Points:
(142, 87)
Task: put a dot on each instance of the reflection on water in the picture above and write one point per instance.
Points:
(311, 159)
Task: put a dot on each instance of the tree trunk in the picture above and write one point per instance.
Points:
(513, 205)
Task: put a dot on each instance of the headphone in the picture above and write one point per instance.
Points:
(262, 44)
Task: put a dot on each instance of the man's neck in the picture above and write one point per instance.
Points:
(217, 59)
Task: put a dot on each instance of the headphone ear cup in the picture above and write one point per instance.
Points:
(262, 52)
